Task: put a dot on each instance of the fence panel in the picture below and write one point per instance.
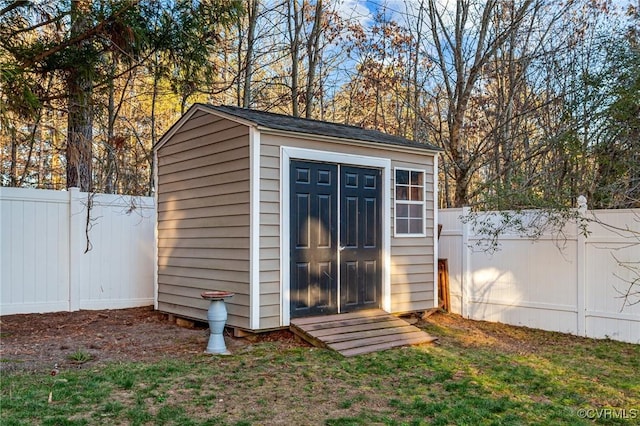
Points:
(117, 271)
(43, 263)
(612, 262)
(34, 268)
(571, 284)
(525, 283)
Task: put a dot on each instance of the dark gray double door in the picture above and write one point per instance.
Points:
(336, 231)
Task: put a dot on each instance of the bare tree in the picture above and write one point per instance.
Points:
(466, 43)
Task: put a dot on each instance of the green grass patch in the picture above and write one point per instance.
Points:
(471, 378)
(80, 357)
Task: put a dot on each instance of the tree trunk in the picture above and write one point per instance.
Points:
(313, 54)
(154, 137)
(32, 144)
(295, 26)
(13, 168)
(414, 81)
(252, 15)
(111, 163)
(460, 164)
(239, 66)
(80, 114)
(447, 189)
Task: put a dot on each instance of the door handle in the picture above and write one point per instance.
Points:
(341, 248)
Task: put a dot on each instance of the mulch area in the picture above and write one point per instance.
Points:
(37, 342)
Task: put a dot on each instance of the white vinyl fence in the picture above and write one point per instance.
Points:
(44, 262)
(570, 283)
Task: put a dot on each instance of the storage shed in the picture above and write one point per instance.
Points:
(297, 217)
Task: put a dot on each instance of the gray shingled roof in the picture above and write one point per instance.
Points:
(287, 123)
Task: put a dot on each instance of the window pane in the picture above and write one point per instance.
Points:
(415, 226)
(417, 178)
(409, 206)
(402, 193)
(416, 193)
(402, 177)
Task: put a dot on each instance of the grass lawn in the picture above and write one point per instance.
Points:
(479, 373)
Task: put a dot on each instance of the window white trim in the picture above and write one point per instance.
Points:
(384, 164)
(423, 203)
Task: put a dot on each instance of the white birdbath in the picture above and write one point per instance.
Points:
(217, 317)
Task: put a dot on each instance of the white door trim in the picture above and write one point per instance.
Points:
(291, 153)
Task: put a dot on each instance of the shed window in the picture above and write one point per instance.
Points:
(410, 202)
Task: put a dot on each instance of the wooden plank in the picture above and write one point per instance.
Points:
(380, 347)
(443, 285)
(327, 318)
(346, 323)
(394, 338)
(396, 332)
(416, 340)
(358, 332)
(359, 327)
(308, 337)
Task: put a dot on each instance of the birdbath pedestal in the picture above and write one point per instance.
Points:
(217, 318)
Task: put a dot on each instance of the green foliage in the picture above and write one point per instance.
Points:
(617, 152)
(186, 34)
(53, 55)
(605, 123)
(14, 80)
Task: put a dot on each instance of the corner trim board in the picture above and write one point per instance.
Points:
(435, 231)
(156, 269)
(254, 239)
(285, 229)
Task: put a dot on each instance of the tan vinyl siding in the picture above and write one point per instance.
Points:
(412, 272)
(270, 294)
(190, 198)
(204, 218)
(412, 263)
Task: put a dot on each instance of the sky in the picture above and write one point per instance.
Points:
(363, 10)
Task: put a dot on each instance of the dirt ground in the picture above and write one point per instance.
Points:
(37, 342)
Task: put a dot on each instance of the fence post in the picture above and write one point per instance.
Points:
(465, 276)
(77, 225)
(581, 262)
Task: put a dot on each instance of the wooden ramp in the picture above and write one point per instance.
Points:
(359, 332)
